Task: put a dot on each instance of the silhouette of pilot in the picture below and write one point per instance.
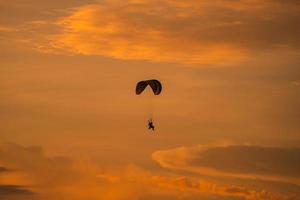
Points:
(150, 125)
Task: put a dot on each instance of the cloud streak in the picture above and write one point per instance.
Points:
(3, 169)
(241, 161)
(6, 190)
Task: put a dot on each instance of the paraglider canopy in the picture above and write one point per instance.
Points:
(154, 84)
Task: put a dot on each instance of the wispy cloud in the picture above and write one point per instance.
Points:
(241, 161)
(6, 29)
(13, 190)
(3, 169)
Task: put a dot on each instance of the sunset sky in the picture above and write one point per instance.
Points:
(227, 120)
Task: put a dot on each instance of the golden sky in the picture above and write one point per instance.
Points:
(227, 120)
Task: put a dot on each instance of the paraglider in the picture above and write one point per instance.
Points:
(154, 84)
(150, 125)
(156, 87)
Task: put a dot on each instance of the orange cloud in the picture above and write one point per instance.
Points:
(219, 32)
(241, 161)
(55, 178)
(143, 31)
(6, 29)
(191, 32)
